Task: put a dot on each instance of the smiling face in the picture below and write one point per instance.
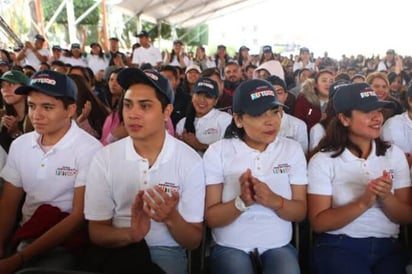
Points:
(260, 130)
(381, 88)
(363, 126)
(203, 103)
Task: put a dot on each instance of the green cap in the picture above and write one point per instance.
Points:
(15, 77)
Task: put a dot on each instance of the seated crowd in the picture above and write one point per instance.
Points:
(111, 163)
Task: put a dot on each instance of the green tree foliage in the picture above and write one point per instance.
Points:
(198, 35)
(80, 6)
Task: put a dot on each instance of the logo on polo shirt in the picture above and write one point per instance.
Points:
(281, 169)
(391, 173)
(66, 171)
(210, 131)
(169, 187)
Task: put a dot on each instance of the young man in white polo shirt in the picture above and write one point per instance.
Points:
(148, 185)
(47, 168)
(33, 55)
(146, 53)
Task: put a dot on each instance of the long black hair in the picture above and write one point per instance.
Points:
(337, 140)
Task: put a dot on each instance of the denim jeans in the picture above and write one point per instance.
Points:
(172, 259)
(341, 254)
(282, 260)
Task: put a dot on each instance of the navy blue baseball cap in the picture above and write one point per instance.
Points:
(130, 76)
(267, 48)
(142, 34)
(75, 46)
(357, 96)
(39, 37)
(254, 97)
(409, 93)
(207, 86)
(336, 85)
(276, 80)
(51, 83)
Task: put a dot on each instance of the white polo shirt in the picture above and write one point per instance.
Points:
(300, 65)
(3, 157)
(316, 133)
(345, 179)
(97, 63)
(32, 60)
(76, 61)
(279, 166)
(50, 178)
(398, 130)
(210, 127)
(117, 173)
(150, 55)
(175, 61)
(295, 129)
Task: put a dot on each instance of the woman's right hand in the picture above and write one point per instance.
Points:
(368, 197)
(246, 188)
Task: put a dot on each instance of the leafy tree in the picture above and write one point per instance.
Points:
(80, 6)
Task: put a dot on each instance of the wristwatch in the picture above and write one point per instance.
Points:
(240, 205)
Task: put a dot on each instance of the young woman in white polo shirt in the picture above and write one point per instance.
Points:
(358, 190)
(203, 124)
(256, 187)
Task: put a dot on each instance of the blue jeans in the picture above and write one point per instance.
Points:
(341, 254)
(172, 259)
(282, 260)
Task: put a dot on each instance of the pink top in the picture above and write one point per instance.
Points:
(113, 120)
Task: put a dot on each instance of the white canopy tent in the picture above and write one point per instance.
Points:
(183, 13)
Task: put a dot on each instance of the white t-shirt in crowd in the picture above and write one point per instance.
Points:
(398, 130)
(97, 63)
(316, 133)
(32, 60)
(295, 129)
(209, 128)
(150, 55)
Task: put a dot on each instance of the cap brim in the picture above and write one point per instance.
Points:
(136, 76)
(24, 90)
(367, 107)
(206, 91)
(258, 111)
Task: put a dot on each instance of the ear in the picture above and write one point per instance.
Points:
(168, 111)
(343, 119)
(238, 120)
(71, 110)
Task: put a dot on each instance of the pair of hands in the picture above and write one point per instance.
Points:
(28, 45)
(379, 188)
(152, 204)
(255, 191)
